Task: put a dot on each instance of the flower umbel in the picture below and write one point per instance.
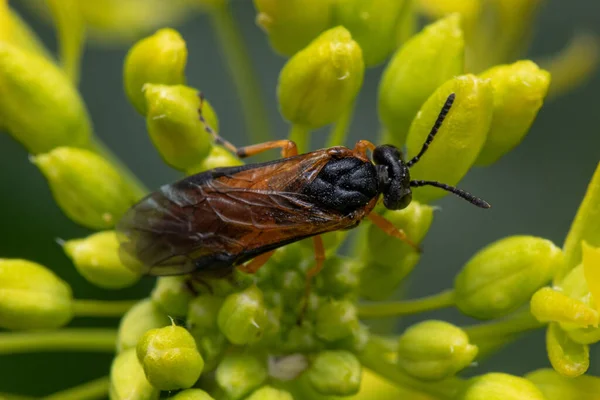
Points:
(284, 331)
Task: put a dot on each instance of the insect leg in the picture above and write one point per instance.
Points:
(256, 263)
(362, 146)
(288, 148)
(311, 273)
(389, 228)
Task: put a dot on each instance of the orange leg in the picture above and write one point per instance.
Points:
(362, 146)
(288, 148)
(391, 230)
(256, 263)
(311, 273)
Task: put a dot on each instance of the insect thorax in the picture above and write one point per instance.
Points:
(344, 185)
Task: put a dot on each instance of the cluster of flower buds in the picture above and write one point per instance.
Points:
(252, 336)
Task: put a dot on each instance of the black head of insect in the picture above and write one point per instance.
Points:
(394, 173)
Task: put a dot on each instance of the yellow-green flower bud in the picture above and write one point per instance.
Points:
(211, 347)
(389, 260)
(159, 58)
(557, 387)
(459, 140)
(202, 314)
(270, 393)
(218, 157)
(504, 275)
(336, 320)
(372, 24)
(420, 66)
(172, 295)
(139, 319)
(86, 187)
(127, 379)
(301, 339)
(321, 81)
(170, 358)
(96, 257)
(243, 317)
(567, 357)
(434, 350)
(550, 305)
(192, 394)
(32, 296)
(519, 92)
(339, 276)
(39, 106)
(292, 24)
(240, 373)
(496, 386)
(175, 127)
(335, 372)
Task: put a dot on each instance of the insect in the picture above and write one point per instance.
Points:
(224, 218)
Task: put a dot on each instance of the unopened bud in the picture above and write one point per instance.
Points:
(32, 296)
(320, 82)
(172, 295)
(127, 379)
(335, 372)
(32, 84)
(416, 70)
(243, 316)
(500, 386)
(372, 24)
(175, 127)
(86, 187)
(557, 387)
(139, 319)
(504, 275)
(292, 24)
(519, 92)
(159, 58)
(96, 257)
(459, 139)
(170, 358)
(239, 374)
(434, 350)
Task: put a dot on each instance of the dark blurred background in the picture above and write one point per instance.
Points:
(535, 190)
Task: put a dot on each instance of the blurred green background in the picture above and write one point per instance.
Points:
(534, 190)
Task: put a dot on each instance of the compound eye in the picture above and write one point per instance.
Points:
(404, 201)
(393, 200)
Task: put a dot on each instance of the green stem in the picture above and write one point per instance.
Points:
(101, 340)
(340, 130)
(70, 29)
(139, 190)
(397, 308)
(301, 136)
(102, 308)
(518, 323)
(243, 74)
(374, 358)
(96, 389)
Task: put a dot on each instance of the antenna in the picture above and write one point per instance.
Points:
(218, 139)
(459, 192)
(434, 129)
